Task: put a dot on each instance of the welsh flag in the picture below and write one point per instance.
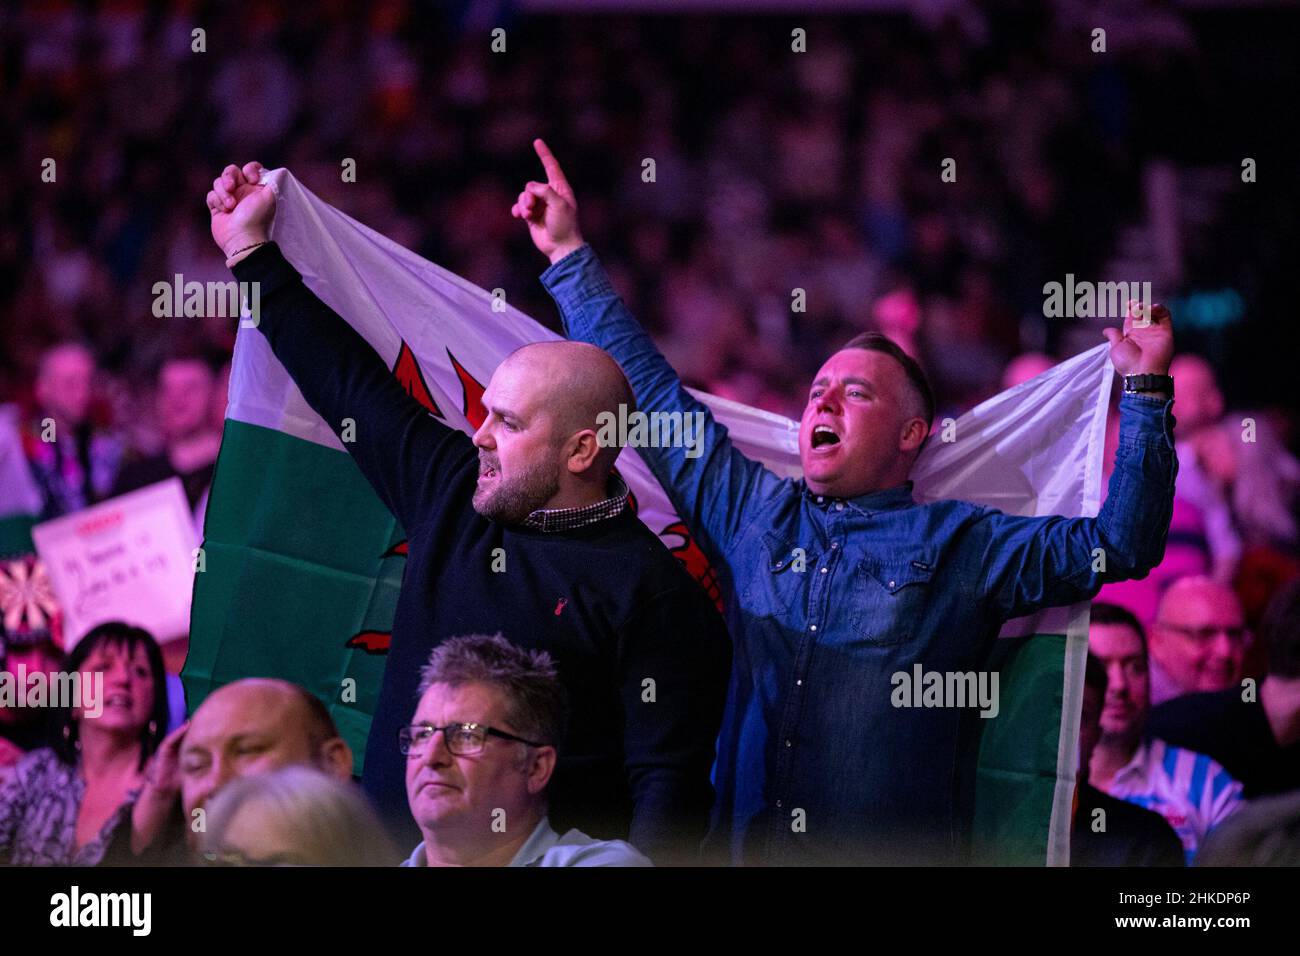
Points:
(302, 564)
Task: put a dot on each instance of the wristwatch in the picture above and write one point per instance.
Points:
(1149, 383)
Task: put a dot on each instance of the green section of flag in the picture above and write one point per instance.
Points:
(293, 550)
(293, 569)
(16, 535)
(1016, 778)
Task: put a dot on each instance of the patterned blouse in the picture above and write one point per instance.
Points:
(40, 797)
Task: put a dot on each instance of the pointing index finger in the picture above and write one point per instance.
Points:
(554, 175)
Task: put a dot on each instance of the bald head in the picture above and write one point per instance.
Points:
(295, 709)
(1188, 597)
(1199, 638)
(578, 381)
(255, 725)
(540, 443)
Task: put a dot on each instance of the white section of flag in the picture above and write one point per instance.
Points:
(1035, 449)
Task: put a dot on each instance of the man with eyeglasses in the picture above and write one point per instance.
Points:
(1189, 789)
(480, 752)
(1253, 731)
(1198, 641)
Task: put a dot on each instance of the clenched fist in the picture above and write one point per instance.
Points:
(1146, 346)
(242, 208)
(549, 209)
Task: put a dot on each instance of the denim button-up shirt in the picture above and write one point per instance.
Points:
(828, 598)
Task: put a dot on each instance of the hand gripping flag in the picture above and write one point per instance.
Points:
(302, 564)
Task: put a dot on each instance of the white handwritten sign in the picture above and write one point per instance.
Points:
(130, 559)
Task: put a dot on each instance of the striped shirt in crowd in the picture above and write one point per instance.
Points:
(1188, 789)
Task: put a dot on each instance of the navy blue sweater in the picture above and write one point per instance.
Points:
(608, 601)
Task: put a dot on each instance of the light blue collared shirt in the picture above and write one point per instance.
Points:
(545, 847)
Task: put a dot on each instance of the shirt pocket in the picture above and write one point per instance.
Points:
(778, 584)
(892, 599)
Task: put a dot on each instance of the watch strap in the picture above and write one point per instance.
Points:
(1149, 383)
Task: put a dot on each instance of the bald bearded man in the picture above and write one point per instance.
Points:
(523, 530)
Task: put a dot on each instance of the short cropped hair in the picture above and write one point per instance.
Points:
(879, 342)
(1103, 612)
(536, 702)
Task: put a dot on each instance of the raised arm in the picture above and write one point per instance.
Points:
(1034, 563)
(403, 451)
(715, 489)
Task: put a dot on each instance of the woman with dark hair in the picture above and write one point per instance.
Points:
(61, 804)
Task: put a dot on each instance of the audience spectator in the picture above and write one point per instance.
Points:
(479, 753)
(1188, 789)
(244, 728)
(1198, 407)
(1198, 641)
(1052, 146)
(1245, 456)
(294, 816)
(1254, 733)
(61, 804)
(1107, 831)
(73, 462)
(807, 175)
(190, 440)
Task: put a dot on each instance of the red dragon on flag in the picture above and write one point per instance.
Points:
(407, 371)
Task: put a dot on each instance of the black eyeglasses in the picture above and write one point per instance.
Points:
(463, 740)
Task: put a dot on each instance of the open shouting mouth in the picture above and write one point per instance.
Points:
(824, 438)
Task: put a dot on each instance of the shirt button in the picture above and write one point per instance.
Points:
(823, 570)
(813, 628)
(798, 683)
(820, 499)
(788, 744)
(891, 584)
(779, 804)
(839, 506)
(834, 545)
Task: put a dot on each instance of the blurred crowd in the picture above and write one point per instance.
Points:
(772, 173)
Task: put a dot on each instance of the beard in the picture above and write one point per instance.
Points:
(511, 500)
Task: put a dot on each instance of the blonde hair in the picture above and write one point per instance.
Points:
(327, 821)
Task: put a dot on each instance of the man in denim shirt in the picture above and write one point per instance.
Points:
(814, 763)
